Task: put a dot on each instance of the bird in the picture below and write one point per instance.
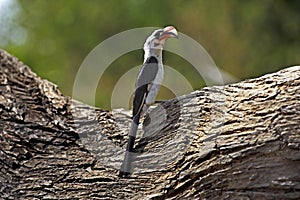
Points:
(147, 85)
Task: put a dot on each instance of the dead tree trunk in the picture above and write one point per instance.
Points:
(239, 141)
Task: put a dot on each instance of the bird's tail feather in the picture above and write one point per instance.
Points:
(126, 166)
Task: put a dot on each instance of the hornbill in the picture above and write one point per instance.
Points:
(147, 85)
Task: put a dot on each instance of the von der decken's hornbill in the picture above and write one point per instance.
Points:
(147, 85)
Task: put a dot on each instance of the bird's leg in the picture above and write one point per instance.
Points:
(147, 118)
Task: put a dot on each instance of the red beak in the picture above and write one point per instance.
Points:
(168, 32)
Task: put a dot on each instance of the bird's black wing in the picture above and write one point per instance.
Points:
(145, 77)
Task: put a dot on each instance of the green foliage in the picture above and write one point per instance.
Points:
(245, 38)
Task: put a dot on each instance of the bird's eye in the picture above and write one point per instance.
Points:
(158, 33)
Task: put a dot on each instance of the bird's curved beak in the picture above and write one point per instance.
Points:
(168, 32)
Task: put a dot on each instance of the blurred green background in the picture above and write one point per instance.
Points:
(244, 38)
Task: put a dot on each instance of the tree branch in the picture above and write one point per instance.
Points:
(231, 142)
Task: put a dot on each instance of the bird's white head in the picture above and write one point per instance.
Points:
(155, 42)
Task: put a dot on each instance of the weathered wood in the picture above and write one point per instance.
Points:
(239, 141)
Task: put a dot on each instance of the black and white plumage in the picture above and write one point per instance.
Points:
(147, 85)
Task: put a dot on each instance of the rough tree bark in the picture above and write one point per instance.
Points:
(239, 141)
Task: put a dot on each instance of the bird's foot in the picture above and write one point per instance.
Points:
(160, 101)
